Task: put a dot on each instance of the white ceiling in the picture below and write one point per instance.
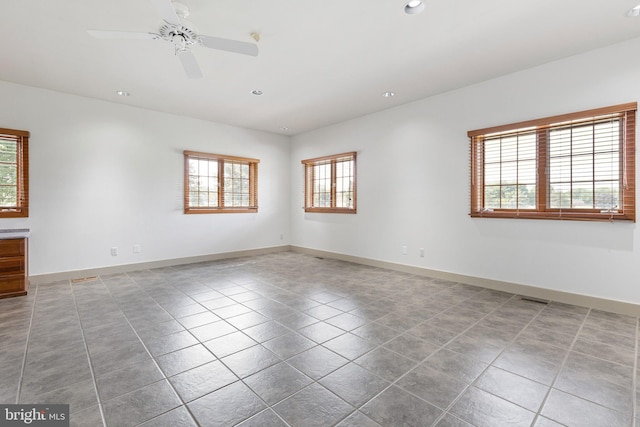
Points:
(320, 62)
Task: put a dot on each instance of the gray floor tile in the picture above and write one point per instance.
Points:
(170, 343)
(90, 417)
(395, 407)
(250, 360)
(202, 380)
(433, 386)
(386, 364)
(178, 417)
(140, 405)
(277, 382)
(127, 379)
(317, 362)
(354, 384)
(573, 411)
(226, 407)
(349, 346)
(184, 359)
(266, 331)
(266, 418)
(514, 388)
(358, 419)
(289, 345)
(78, 396)
(229, 344)
(486, 410)
(314, 406)
(316, 314)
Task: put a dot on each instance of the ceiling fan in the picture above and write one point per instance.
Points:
(181, 36)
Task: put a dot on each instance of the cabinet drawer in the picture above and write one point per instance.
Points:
(11, 266)
(12, 247)
(12, 283)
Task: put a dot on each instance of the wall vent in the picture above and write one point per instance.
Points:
(532, 299)
(84, 279)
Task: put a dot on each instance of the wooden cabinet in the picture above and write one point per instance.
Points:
(14, 279)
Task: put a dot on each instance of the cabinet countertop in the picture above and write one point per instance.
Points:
(14, 233)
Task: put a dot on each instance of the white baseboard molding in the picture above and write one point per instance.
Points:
(114, 269)
(598, 303)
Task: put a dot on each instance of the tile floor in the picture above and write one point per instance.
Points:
(290, 339)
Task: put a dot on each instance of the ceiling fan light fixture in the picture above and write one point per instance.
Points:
(413, 7)
(634, 12)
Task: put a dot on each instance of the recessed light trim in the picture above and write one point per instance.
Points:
(634, 12)
(257, 92)
(388, 94)
(413, 7)
(123, 93)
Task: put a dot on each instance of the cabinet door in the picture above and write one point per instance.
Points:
(13, 283)
(12, 247)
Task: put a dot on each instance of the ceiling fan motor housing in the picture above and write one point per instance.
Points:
(180, 36)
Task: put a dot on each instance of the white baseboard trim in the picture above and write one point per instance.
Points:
(598, 303)
(114, 269)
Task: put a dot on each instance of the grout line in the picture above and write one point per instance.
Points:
(26, 347)
(561, 367)
(86, 349)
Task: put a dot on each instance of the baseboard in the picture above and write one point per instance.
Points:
(114, 269)
(598, 303)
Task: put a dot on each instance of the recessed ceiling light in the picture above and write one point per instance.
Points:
(632, 13)
(284, 128)
(388, 94)
(256, 92)
(123, 93)
(414, 7)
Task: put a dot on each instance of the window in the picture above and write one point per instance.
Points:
(578, 166)
(14, 173)
(330, 184)
(219, 184)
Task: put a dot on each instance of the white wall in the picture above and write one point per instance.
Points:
(104, 175)
(413, 185)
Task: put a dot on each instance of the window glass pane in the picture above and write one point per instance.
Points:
(607, 196)
(508, 197)
(526, 196)
(527, 172)
(560, 169)
(492, 174)
(8, 151)
(582, 168)
(8, 174)
(8, 197)
(492, 196)
(582, 195)
(560, 196)
(606, 167)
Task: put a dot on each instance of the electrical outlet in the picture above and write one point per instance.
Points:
(114, 251)
(404, 250)
(137, 249)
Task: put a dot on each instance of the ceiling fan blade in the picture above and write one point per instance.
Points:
(190, 64)
(121, 35)
(165, 10)
(234, 46)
